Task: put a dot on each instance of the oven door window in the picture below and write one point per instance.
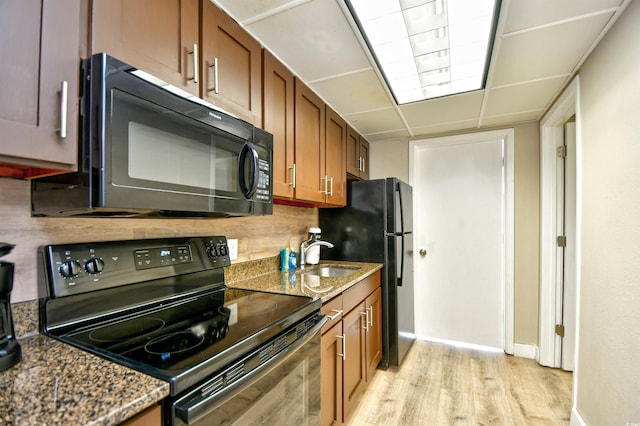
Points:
(156, 148)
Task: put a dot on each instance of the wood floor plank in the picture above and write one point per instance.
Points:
(439, 384)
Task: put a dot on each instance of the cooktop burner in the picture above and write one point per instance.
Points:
(122, 331)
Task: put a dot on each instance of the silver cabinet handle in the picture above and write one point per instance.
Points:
(331, 186)
(194, 52)
(344, 346)
(64, 95)
(338, 313)
(370, 316)
(214, 65)
(293, 175)
(364, 170)
(360, 164)
(366, 320)
(325, 179)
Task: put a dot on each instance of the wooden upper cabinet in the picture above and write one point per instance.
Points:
(364, 155)
(277, 113)
(310, 143)
(353, 149)
(40, 47)
(231, 65)
(335, 159)
(357, 155)
(157, 37)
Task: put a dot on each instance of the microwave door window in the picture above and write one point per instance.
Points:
(154, 148)
(160, 156)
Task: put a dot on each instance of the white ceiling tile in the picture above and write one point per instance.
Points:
(314, 40)
(382, 120)
(243, 10)
(530, 96)
(507, 119)
(527, 13)
(545, 52)
(351, 93)
(443, 110)
(386, 136)
(445, 127)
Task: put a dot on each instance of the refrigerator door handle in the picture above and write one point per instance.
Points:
(402, 254)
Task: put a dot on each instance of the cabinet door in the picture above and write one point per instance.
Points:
(331, 359)
(353, 147)
(40, 46)
(310, 142)
(335, 158)
(157, 37)
(231, 65)
(354, 373)
(374, 332)
(277, 110)
(364, 158)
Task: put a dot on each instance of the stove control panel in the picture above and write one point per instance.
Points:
(79, 268)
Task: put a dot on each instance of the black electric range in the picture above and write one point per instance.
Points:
(161, 306)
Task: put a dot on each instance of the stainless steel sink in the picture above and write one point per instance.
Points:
(331, 271)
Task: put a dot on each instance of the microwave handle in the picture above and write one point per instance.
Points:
(250, 189)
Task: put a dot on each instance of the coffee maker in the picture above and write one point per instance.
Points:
(10, 352)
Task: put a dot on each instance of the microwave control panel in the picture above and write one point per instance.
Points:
(263, 192)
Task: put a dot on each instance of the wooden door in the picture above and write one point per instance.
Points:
(310, 143)
(353, 147)
(156, 37)
(335, 158)
(374, 333)
(40, 49)
(277, 110)
(363, 153)
(231, 65)
(354, 373)
(331, 359)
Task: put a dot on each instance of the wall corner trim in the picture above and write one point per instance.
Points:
(576, 418)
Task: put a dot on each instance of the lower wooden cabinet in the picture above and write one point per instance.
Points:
(351, 348)
(152, 416)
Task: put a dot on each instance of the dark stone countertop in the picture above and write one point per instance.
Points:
(296, 282)
(57, 384)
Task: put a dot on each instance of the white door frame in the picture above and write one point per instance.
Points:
(508, 136)
(551, 134)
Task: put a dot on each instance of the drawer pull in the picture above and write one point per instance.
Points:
(338, 313)
(366, 319)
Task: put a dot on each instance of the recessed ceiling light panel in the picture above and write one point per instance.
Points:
(428, 48)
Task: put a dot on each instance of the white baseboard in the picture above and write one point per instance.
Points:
(576, 418)
(525, 351)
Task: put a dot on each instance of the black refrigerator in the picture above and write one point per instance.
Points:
(377, 226)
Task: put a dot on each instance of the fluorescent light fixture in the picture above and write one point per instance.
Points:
(428, 48)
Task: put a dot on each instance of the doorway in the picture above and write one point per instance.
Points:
(463, 224)
(559, 236)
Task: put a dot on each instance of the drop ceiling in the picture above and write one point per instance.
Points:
(538, 48)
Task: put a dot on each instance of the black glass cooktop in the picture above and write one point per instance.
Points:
(200, 333)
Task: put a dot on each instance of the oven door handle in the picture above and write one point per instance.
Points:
(190, 412)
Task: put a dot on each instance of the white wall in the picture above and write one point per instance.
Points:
(608, 363)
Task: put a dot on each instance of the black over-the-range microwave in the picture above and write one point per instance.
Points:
(146, 150)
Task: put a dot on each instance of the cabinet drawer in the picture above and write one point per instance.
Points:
(333, 310)
(356, 294)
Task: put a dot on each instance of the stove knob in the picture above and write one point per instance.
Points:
(69, 268)
(223, 250)
(94, 266)
(212, 252)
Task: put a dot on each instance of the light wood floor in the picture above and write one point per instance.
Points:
(438, 384)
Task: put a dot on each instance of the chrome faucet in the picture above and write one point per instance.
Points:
(311, 242)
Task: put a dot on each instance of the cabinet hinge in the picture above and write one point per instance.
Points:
(562, 241)
(560, 330)
(561, 151)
